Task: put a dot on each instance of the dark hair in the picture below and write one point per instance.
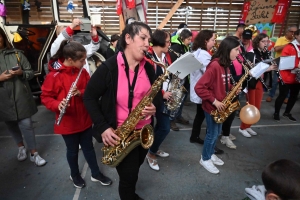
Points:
(182, 25)
(133, 29)
(185, 33)
(70, 49)
(201, 39)
(7, 44)
(223, 52)
(297, 32)
(114, 37)
(240, 26)
(159, 38)
(282, 177)
(257, 39)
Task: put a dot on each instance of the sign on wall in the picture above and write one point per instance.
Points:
(266, 11)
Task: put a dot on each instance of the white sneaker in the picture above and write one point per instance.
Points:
(152, 163)
(244, 133)
(37, 159)
(249, 130)
(162, 154)
(232, 137)
(227, 141)
(209, 166)
(216, 160)
(22, 155)
(79, 147)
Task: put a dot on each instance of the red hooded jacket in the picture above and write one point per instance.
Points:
(56, 87)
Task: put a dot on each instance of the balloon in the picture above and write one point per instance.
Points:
(249, 114)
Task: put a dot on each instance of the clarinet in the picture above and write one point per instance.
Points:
(68, 98)
(176, 53)
(270, 57)
(250, 66)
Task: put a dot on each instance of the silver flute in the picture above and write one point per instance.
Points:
(68, 98)
(250, 66)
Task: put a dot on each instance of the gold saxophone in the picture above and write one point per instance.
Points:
(129, 137)
(221, 116)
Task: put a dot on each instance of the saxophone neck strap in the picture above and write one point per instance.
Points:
(226, 80)
(130, 86)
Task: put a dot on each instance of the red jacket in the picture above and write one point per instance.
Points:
(212, 85)
(56, 87)
(286, 75)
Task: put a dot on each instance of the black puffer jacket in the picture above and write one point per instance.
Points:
(16, 98)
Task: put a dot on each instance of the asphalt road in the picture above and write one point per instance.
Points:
(180, 176)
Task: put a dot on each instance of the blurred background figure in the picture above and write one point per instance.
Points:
(112, 47)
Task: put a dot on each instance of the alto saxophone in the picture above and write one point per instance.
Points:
(221, 116)
(129, 137)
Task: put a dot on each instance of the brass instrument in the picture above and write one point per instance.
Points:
(216, 45)
(68, 98)
(250, 66)
(129, 137)
(270, 57)
(221, 116)
(176, 53)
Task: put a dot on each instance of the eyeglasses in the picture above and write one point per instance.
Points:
(292, 31)
(168, 41)
(264, 41)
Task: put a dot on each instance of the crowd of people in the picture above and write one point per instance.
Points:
(101, 102)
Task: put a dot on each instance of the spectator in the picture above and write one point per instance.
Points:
(239, 30)
(112, 47)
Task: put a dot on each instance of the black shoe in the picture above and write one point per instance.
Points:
(276, 117)
(102, 179)
(289, 116)
(218, 151)
(198, 140)
(78, 181)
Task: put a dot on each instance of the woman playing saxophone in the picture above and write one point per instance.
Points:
(121, 82)
(212, 88)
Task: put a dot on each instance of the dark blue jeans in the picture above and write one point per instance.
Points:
(85, 140)
(213, 130)
(161, 130)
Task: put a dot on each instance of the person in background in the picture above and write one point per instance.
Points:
(255, 86)
(181, 25)
(212, 89)
(281, 181)
(71, 57)
(67, 33)
(239, 30)
(160, 50)
(247, 41)
(180, 45)
(17, 103)
(112, 47)
(278, 47)
(289, 80)
(114, 83)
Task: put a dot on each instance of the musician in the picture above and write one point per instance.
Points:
(278, 47)
(111, 82)
(255, 87)
(160, 50)
(76, 125)
(289, 79)
(212, 89)
(180, 44)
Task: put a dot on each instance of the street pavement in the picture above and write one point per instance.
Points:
(181, 177)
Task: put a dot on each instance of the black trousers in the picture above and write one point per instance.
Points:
(128, 171)
(198, 120)
(227, 124)
(283, 91)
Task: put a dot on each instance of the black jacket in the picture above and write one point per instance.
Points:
(101, 93)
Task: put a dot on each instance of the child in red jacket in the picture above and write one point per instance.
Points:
(76, 124)
(212, 88)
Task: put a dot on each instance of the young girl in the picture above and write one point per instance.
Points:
(212, 89)
(76, 124)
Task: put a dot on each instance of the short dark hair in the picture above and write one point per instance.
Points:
(159, 38)
(133, 29)
(70, 49)
(282, 177)
(7, 44)
(114, 37)
(223, 52)
(182, 25)
(185, 33)
(240, 26)
(201, 39)
(257, 39)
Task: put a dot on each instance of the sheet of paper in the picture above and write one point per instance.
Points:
(287, 62)
(186, 64)
(259, 69)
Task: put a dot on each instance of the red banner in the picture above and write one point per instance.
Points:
(280, 11)
(245, 10)
(119, 7)
(130, 4)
